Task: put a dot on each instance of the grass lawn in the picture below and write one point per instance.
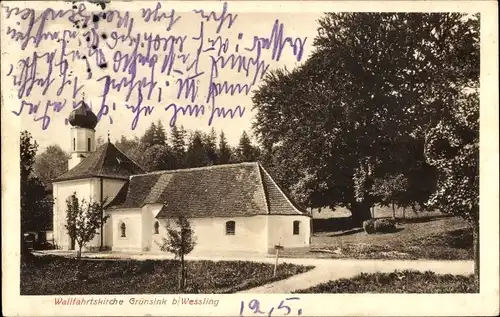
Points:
(398, 282)
(51, 275)
(438, 237)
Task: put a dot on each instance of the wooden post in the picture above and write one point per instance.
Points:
(276, 263)
(277, 248)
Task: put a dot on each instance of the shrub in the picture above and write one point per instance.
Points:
(384, 225)
(369, 226)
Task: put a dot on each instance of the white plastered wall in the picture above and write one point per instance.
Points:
(250, 234)
(88, 189)
(132, 218)
(281, 231)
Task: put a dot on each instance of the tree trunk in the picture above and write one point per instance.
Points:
(414, 209)
(360, 212)
(393, 211)
(182, 272)
(475, 236)
(79, 275)
(404, 210)
(179, 276)
(79, 253)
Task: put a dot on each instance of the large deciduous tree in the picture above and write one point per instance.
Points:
(50, 164)
(36, 205)
(28, 149)
(373, 82)
(452, 146)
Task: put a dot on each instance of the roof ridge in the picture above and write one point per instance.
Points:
(263, 187)
(142, 168)
(156, 190)
(283, 194)
(180, 170)
(100, 163)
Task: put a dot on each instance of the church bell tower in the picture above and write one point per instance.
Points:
(83, 121)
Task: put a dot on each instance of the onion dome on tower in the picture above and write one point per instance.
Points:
(83, 121)
(83, 117)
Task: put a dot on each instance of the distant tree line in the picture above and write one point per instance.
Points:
(178, 148)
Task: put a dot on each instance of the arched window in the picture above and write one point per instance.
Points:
(123, 229)
(230, 228)
(156, 228)
(74, 144)
(296, 227)
(88, 144)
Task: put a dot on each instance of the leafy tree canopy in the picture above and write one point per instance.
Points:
(36, 204)
(84, 219)
(50, 164)
(373, 83)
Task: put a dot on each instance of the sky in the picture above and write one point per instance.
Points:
(238, 35)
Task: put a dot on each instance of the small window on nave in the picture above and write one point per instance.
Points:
(123, 229)
(296, 227)
(230, 228)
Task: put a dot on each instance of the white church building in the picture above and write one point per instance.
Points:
(234, 207)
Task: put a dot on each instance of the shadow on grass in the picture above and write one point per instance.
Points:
(346, 233)
(423, 219)
(395, 230)
(332, 224)
(358, 230)
(460, 238)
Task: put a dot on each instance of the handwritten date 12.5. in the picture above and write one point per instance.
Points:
(283, 308)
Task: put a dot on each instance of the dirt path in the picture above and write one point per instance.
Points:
(327, 270)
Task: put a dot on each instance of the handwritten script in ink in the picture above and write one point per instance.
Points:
(141, 62)
(285, 307)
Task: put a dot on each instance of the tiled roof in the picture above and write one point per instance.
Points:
(107, 161)
(278, 202)
(233, 190)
